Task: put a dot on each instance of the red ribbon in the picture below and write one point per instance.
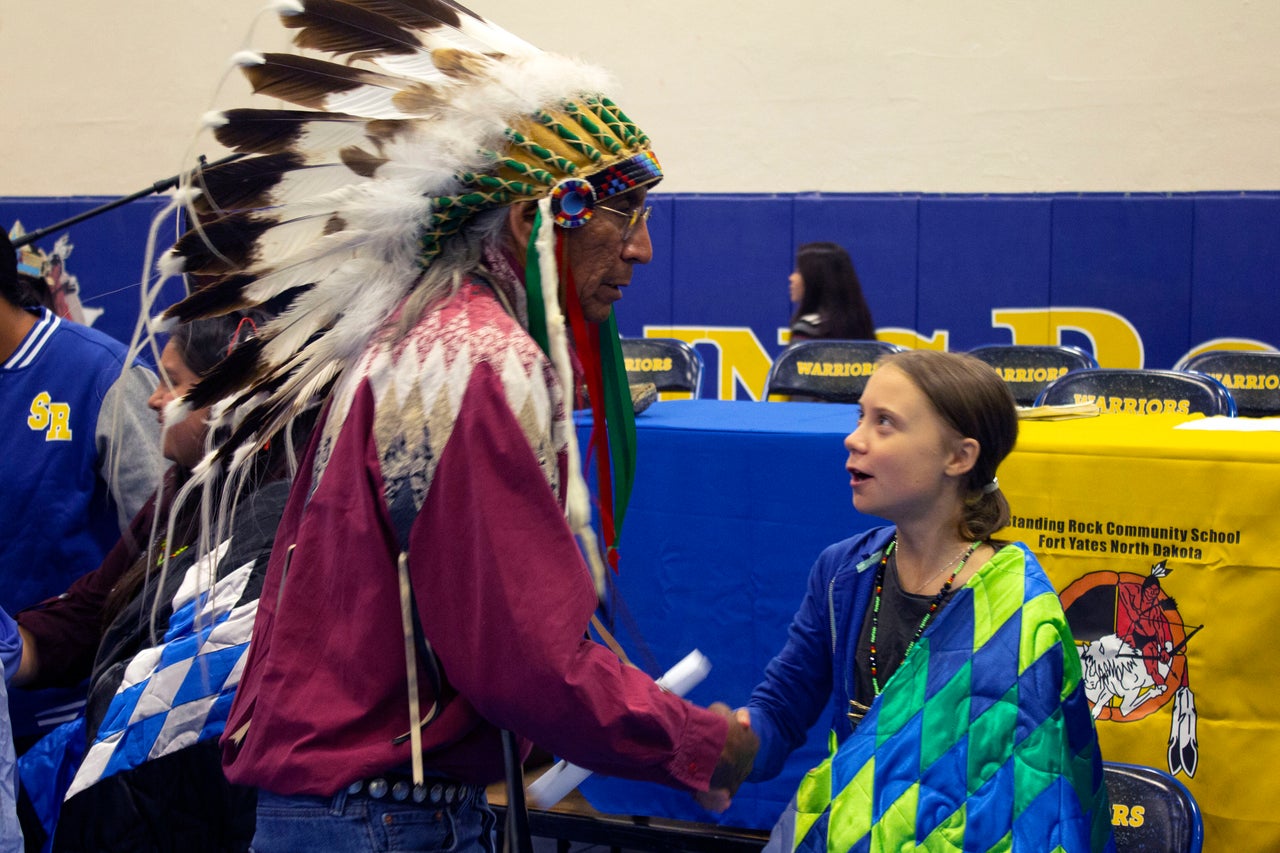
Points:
(588, 348)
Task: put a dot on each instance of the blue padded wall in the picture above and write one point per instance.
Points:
(730, 259)
(1172, 272)
(980, 252)
(1235, 263)
(1132, 255)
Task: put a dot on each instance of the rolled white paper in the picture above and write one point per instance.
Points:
(554, 785)
(686, 674)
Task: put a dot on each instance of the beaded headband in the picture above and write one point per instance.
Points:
(580, 154)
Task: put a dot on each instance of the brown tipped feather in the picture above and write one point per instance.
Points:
(269, 418)
(459, 63)
(243, 183)
(360, 161)
(305, 81)
(256, 131)
(226, 294)
(383, 131)
(419, 14)
(228, 376)
(345, 28)
(419, 99)
(221, 296)
(221, 246)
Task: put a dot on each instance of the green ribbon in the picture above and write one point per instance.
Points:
(533, 288)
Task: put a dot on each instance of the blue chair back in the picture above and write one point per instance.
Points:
(1140, 391)
(1252, 377)
(1151, 811)
(669, 363)
(1028, 368)
(828, 369)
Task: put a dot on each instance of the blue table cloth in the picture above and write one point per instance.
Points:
(733, 501)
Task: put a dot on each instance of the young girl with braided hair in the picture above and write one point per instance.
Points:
(960, 715)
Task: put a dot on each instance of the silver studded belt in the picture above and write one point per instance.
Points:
(399, 788)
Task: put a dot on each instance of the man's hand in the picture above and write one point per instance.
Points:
(740, 746)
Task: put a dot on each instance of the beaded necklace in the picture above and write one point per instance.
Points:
(924, 622)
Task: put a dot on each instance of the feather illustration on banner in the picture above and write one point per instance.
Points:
(1184, 748)
(402, 120)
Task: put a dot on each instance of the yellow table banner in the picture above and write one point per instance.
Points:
(1164, 546)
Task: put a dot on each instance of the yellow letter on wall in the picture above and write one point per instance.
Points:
(1116, 342)
(742, 356)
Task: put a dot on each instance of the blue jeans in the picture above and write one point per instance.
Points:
(357, 824)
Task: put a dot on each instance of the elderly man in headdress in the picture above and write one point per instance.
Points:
(446, 209)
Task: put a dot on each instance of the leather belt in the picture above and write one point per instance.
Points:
(399, 788)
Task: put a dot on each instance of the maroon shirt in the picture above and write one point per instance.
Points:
(466, 422)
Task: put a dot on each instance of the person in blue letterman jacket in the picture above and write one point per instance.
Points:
(82, 455)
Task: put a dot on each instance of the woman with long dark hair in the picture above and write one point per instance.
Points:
(828, 296)
(159, 629)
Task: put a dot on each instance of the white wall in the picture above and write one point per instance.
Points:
(102, 98)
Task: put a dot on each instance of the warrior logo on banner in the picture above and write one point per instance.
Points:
(1132, 644)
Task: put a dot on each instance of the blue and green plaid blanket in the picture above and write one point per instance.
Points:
(982, 740)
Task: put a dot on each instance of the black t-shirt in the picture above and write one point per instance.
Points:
(900, 615)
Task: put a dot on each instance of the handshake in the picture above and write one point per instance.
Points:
(735, 762)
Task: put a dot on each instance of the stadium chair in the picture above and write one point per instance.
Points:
(1252, 377)
(1028, 368)
(1138, 391)
(1151, 810)
(670, 364)
(827, 369)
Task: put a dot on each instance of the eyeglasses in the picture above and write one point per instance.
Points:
(634, 218)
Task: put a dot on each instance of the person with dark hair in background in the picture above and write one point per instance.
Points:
(176, 613)
(32, 292)
(954, 672)
(81, 457)
(828, 296)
